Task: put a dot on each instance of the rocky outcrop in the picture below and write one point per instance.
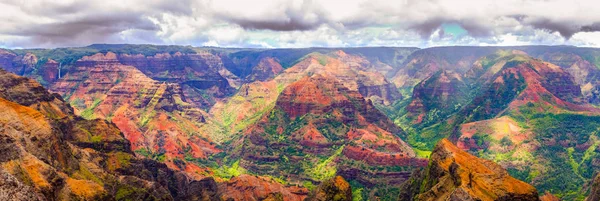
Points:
(437, 96)
(201, 71)
(374, 157)
(156, 117)
(13, 189)
(335, 189)
(322, 94)
(247, 187)
(44, 70)
(265, 69)
(516, 80)
(29, 92)
(425, 62)
(453, 174)
(549, 197)
(48, 153)
(354, 72)
(417, 68)
(49, 71)
(6, 60)
(584, 73)
(318, 115)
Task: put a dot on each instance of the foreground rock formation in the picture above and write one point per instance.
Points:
(336, 189)
(453, 174)
(48, 153)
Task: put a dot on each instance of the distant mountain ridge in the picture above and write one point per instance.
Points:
(370, 114)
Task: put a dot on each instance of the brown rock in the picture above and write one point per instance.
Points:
(549, 197)
(265, 69)
(335, 189)
(248, 187)
(453, 174)
(48, 153)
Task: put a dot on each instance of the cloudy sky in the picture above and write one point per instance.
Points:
(299, 23)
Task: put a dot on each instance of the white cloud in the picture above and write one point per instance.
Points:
(297, 23)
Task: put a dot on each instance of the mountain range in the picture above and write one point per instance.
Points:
(131, 122)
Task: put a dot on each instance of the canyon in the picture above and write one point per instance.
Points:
(195, 123)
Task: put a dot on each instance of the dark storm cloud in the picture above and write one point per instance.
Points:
(425, 29)
(85, 30)
(566, 29)
(60, 9)
(476, 29)
(85, 22)
(308, 16)
(291, 23)
(102, 24)
(591, 28)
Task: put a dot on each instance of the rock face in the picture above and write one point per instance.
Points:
(197, 73)
(335, 189)
(425, 62)
(301, 115)
(156, 117)
(584, 73)
(48, 153)
(265, 69)
(6, 59)
(454, 174)
(321, 117)
(50, 71)
(13, 189)
(523, 115)
(438, 96)
(514, 79)
(30, 65)
(254, 98)
(354, 72)
(595, 190)
(247, 187)
(549, 197)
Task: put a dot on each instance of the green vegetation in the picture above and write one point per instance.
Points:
(227, 172)
(567, 168)
(129, 193)
(321, 58)
(123, 158)
(325, 169)
(88, 113)
(96, 139)
(422, 153)
(358, 191)
(567, 142)
(143, 151)
(149, 154)
(230, 115)
(66, 56)
(388, 193)
(84, 173)
(149, 111)
(146, 50)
